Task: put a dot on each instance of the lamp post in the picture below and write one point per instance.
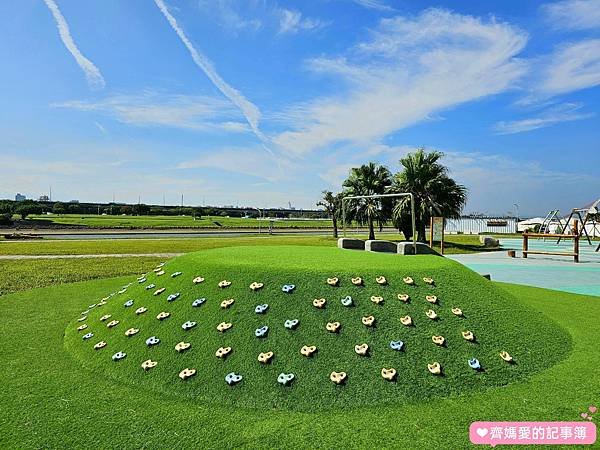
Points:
(259, 219)
(517, 214)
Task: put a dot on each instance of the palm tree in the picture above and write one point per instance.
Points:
(332, 204)
(368, 179)
(435, 193)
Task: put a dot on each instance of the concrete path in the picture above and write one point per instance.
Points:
(552, 272)
(109, 255)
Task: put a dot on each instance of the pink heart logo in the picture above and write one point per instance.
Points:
(592, 409)
(584, 415)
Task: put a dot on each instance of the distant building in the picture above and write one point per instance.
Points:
(44, 198)
(73, 201)
(20, 198)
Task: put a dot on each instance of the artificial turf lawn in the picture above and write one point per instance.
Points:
(496, 319)
(51, 401)
(19, 275)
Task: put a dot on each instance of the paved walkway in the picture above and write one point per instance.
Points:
(552, 272)
(108, 255)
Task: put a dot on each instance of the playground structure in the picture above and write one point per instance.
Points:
(575, 236)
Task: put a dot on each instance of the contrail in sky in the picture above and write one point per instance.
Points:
(93, 75)
(248, 109)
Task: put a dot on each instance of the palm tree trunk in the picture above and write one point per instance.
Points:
(371, 229)
(335, 227)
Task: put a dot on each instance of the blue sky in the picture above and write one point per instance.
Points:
(264, 102)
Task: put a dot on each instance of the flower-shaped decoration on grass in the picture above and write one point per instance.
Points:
(173, 297)
(256, 286)
(112, 323)
(233, 378)
(409, 281)
(308, 350)
(435, 368)
(224, 326)
(175, 274)
(288, 288)
(99, 345)
(187, 373)
(150, 286)
(188, 325)
(163, 315)
(406, 321)
(227, 303)
(261, 309)
(368, 321)
(160, 273)
(198, 302)
(334, 281)
(222, 352)
(159, 291)
(474, 364)
(404, 297)
(152, 341)
(142, 280)
(141, 310)
(197, 280)
(119, 356)
(431, 314)
(87, 336)
(224, 283)
(261, 332)
(377, 299)
(265, 357)
(291, 324)
(319, 303)
(347, 301)
(149, 364)
(333, 327)
(431, 299)
(468, 335)
(361, 349)
(397, 345)
(356, 281)
(285, 378)
(82, 327)
(429, 281)
(388, 374)
(82, 319)
(506, 356)
(381, 280)
(438, 340)
(338, 377)
(105, 317)
(457, 312)
(182, 346)
(132, 332)
(128, 303)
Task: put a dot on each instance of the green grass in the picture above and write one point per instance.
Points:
(117, 221)
(54, 403)
(19, 275)
(456, 244)
(488, 313)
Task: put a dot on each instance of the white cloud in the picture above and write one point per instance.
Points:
(573, 14)
(571, 67)
(248, 109)
(248, 161)
(566, 112)
(92, 73)
(153, 109)
(291, 21)
(411, 68)
(226, 14)
(374, 4)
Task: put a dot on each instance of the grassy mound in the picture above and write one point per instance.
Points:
(496, 319)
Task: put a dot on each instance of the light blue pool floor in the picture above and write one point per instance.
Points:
(552, 272)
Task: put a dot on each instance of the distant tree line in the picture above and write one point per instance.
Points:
(23, 209)
(422, 174)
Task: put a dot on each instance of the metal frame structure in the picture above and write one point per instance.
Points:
(403, 194)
